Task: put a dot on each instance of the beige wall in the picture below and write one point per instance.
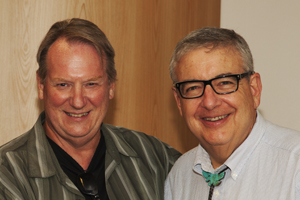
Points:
(272, 30)
(143, 33)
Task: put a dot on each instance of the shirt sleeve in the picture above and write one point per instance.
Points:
(168, 155)
(168, 193)
(8, 185)
(297, 185)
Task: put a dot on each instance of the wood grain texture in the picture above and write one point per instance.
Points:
(143, 33)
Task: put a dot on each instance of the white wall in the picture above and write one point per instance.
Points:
(272, 30)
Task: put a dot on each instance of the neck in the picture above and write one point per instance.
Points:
(81, 150)
(220, 153)
(218, 157)
(81, 154)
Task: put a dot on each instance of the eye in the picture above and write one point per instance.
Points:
(91, 84)
(62, 84)
(226, 83)
(192, 88)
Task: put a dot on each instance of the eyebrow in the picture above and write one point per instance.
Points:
(218, 76)
(95, 78)
(91, 79)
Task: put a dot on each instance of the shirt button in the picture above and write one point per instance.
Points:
(216, 193)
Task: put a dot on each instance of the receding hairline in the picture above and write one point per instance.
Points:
(72, 42)
(78, 42)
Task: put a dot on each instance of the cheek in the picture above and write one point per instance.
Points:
(98, 98)
(190, 107)
(55, 98)
(241, 102)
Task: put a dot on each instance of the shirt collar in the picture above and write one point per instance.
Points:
(41, 158)
(241, 155)
(42, 161)
(203, 162)
(116, 140)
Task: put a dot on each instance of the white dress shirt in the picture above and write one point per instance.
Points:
(265, 166)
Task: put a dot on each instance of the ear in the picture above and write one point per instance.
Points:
(177, 98)
(256, 88)
(111, 90)
(40, 85)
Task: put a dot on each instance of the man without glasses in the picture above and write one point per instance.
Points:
(240, 155)
(69, 153)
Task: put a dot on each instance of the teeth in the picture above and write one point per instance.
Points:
(77, 115)
(213, 119)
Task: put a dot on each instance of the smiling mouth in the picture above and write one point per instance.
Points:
(213, 119)
(77, 115)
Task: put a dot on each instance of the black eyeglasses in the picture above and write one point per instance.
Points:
(225, 84)
(88, 185)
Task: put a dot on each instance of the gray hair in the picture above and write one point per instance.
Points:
(215, 37)
(82, 31)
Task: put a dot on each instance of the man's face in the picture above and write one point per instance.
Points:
(76, 91)
(218, 120)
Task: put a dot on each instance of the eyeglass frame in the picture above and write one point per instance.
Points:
(208, 82)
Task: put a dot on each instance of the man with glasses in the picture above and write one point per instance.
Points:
(69, 153)
(240, 155)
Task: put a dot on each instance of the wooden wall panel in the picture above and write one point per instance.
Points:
(143, 33)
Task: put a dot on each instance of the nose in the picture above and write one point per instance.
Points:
(210, 98)
(78, 99)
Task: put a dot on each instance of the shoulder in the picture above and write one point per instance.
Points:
(25, 142)
(130, 136)
(282, 138)
(121, 131)
(139, 142)
(16, 145)
(185, 162)
(13, 159)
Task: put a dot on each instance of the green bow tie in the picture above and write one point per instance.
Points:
(213, 179)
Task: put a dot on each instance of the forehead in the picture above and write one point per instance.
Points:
(75, 58)
(62, 46)
(205, 63)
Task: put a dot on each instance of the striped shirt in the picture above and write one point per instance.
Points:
(136, 166)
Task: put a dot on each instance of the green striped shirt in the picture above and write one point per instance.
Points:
(136, 166)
